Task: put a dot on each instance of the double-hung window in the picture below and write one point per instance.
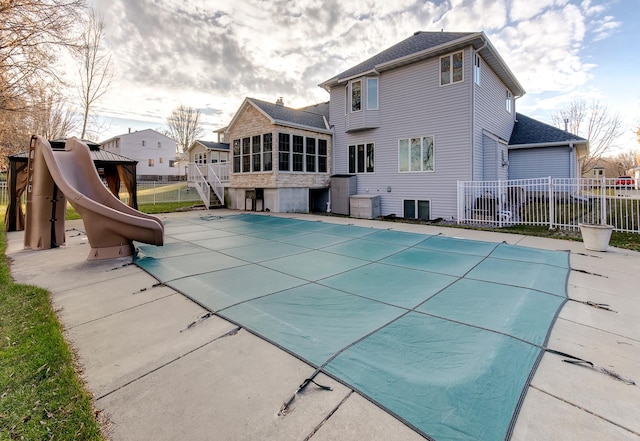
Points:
(508, 101)
(246, 155)
(236, 156)
(361, 158)
(416, 154)
(267, 147)
(298, 153)
(451, 68)
(311, 155)
(322, 155)
(256, 147)
(284, 151)
(476, 69)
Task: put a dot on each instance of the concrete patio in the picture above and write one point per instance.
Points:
(160, 368)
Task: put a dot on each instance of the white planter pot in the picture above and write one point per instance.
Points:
(596, 237)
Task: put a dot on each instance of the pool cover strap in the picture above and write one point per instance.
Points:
(572, 359)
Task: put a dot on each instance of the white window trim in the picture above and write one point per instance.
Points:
(509, 102)
(415, 206)
(450, 56)
(377, 81)
(365, 144)
(433, 138)
(316, 155)
(476, 69)
(351, 83)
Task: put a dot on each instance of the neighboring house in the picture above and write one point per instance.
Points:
(208, 152)
(281, 157)
(539, 150)
(433, 109)
(602, 168)
(155, 153)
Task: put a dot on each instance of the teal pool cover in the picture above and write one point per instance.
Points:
(443, 333)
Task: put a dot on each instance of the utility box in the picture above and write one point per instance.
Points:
(365, 206)
(342, 188)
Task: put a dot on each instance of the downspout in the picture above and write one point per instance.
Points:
(473, 111)
(574, 160)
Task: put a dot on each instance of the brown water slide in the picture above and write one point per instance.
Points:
(110, 224)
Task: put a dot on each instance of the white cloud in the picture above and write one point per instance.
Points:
(212, 54)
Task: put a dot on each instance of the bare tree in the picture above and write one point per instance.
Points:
(50, 116)
(30, 33)
(593, 122)
(95, 72)
(624, 161)
(184, 126)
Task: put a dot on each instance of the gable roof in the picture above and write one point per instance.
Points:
(306, 117)
(529, 132)
(423, 45)
(314, 117)
(136, 132)
(211, 145)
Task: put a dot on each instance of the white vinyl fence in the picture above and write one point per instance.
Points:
(555, 203)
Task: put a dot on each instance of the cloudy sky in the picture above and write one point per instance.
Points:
(211, 54)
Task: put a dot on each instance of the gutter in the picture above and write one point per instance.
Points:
(568, 142)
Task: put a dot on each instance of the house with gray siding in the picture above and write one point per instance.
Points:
(538, 150)
(414, 119)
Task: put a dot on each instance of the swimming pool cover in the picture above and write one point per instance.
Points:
(443, 333)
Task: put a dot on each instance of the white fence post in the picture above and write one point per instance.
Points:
(461, 202)
(603, 202)
(552, 204)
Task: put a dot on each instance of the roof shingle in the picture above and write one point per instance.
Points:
(314, 116)
(530, 131)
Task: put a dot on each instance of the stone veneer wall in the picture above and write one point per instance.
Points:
(296, 196)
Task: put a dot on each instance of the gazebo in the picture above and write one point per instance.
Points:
(115, 170)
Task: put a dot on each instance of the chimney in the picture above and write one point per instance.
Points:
(280, 102)
(129, 129)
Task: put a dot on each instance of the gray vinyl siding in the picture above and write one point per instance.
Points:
(539, 162)
(412, 103)
(490, 115)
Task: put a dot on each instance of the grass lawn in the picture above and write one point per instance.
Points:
(160, 207)
(41, 396)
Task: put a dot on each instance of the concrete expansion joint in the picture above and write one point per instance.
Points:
(329, 415)
(598, 329)
(585, 410)
(122, 310)
(234, 331)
